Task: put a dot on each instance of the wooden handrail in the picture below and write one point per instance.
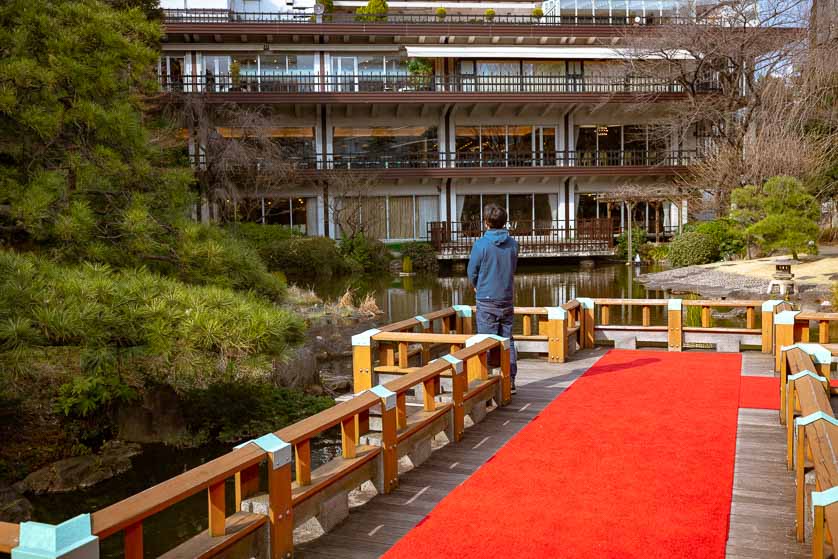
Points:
(313, 425)
(808, 396)
(419, 337)
(721, 303)
(136, 508)
(631, 302)
(9, 534)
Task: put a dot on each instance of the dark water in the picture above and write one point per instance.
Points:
(399, 298)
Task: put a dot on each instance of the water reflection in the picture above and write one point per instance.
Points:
(535, 286)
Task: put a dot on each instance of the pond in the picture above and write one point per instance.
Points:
(398, 298)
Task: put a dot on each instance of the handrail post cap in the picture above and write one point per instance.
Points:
(806, 373)
(586, 302)
(817, 352)
(279, 450)
(463, 311)
(785, 317)
(812, 417)
(365, 337)
(825, 498)
(456, 364)
(388, 397)
(768, 306)
(46, 541)
(477, 338)
(674, 304)
(556, 313)
(422, 320)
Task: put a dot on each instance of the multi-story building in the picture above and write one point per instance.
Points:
(448, 104)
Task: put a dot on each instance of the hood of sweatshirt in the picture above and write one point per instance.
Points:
(497, 236)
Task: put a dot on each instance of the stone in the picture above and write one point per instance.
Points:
(80, 472)
(14, 507)
(156, 418)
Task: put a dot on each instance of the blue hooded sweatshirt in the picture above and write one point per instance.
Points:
(491, 267)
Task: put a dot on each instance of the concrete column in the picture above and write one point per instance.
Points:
(321, 215)
(622, 215)
(572, 204)
(562, 205)
(684, 212)
(666, 217)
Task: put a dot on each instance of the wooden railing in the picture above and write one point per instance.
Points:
(535, 237)
(811, 442)
(448, 388)
(400, 83)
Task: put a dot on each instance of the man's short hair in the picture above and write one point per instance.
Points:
(495, 216)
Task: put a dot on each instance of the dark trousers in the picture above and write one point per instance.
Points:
(496, 317)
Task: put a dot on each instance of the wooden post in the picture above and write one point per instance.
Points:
(446, 324)
(280, 515)
(605, 313)
(768, 309)
(467, 325)
(247, 484)
(527, 325)
(401, 411)
(348, 438)
(404, 357)
(750, 318)
(587, 323)
(706, 321)
(217, 513)
(386, 355)
(426, 348)
(647, 315)
(556, 335)
(362, 425)
(506, 374)
(823, 332)
(675, 321)
(133, 543)
(302, 458)
(361, 368)
(430, 394)
(783, 336)
(818, 533)
(477, 367)
(389, 447)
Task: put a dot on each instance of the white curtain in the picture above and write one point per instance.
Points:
(427, 210)
(460, 201)
(554, 206)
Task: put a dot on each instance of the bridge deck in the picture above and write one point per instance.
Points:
(762, 508)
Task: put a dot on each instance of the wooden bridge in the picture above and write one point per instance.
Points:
(418, 427)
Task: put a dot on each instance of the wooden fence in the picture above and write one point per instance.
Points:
(457, 384)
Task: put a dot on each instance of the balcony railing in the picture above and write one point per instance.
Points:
(441, 160)
(405, 83)
(172, 16)
(535, 237)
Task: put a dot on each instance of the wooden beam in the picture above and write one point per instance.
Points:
(302, 460)
(495, 39)
(472, 110)
(421, 39)
(497, 109)
(547, 109)
(542, 41)
(471, 39)
(217, 513)
(519, 40)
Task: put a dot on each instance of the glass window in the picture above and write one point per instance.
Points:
(468, 145)
(470, 212)
(520, 145)
(520, 213)
(300, 63)
(394, 145)
(278, 211)
(546, 210)
(299, 213)
(493, 143)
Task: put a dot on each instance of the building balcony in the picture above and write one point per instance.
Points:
(536, 238)
(198, 16)
(363, 88)
(444, 165)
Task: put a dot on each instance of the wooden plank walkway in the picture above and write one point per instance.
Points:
(762, 519)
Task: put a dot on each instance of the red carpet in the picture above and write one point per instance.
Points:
(634, 460)
(760, 392)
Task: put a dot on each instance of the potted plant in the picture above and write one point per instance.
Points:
(420, 70)
(440, 13)
(489, 14)
(537, 13)
(235, 75)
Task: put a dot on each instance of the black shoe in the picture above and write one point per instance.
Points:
(513, 389)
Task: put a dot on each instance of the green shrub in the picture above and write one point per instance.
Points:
(489, 14)
(107, 333)
(692, 248)
(441, 13)
(422, 255)
(210, 255)
(727, 236)
(297, 256)
(231, 411)
(651, 252)
(638, 237)
(420, 66)
(375, 10)
(365, 255)
(537, 13)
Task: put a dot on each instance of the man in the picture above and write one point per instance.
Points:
(491, 270)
